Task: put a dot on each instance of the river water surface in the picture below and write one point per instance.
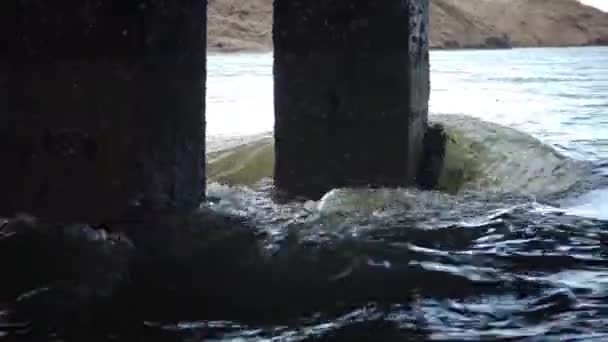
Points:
(527, 268)
(558, 95)
(524, 257)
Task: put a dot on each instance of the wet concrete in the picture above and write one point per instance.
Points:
(351, 93)
(102, 107)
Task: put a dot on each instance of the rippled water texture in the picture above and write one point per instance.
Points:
(518, 252)
(490, 262)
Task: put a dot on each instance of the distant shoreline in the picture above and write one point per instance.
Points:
(214, 50)
(246, 25)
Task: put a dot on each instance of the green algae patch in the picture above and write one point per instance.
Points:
(244, 164)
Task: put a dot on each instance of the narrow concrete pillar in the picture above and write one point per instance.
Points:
(351, 92)
(101, 107)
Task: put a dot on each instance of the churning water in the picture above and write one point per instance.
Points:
(515, 248)
(523, 242)
(556, 96)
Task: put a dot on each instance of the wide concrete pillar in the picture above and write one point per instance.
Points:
(101, 107)
(351, 92)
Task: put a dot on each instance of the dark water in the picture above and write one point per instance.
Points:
(412, 265)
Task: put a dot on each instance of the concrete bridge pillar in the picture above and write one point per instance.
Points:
(101, 107)
(351, 92)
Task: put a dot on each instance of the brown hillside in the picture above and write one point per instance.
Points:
(247, 24)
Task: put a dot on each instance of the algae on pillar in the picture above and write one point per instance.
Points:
(102, 107)
(351, 93)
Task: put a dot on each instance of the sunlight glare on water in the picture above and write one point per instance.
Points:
(557, 95)
(593, 204)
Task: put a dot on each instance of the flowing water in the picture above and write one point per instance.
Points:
(516, 250)
(528, 249)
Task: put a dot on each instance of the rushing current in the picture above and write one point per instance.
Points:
(513, 246)
(524, 236)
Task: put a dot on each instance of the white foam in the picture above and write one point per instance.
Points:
(593, 204)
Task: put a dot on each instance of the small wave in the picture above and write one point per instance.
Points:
(486, 261)
(535, 79)
(593, 205)
(481, 156)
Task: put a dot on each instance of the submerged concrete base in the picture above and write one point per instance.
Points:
(102, 107)
(351, 93)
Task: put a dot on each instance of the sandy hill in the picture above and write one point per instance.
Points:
(470, 23)
(247, 24)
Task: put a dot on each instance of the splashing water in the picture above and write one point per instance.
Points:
(513, 247)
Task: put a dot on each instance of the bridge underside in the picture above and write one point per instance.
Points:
(103, 112)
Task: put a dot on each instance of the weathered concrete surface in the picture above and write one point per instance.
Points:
(351, 92)
(102, 107)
